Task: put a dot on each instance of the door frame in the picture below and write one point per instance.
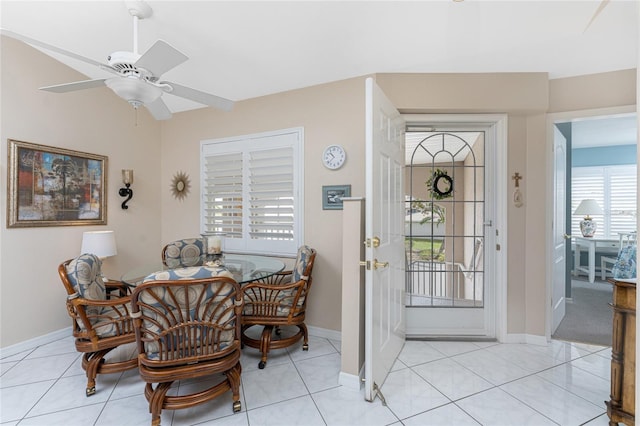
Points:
(553, 118)
(499, 228)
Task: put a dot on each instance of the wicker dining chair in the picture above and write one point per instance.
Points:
(101, 320)
(278, 301)
(187, 324)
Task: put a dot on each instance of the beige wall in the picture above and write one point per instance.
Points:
(526, 98)
(604, 90)
(32, 298)
(330, 113)
(515, 235)
(99, 122)
(472, 93)
(521, 96)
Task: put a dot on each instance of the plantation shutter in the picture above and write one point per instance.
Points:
(623, 185)
(251, 191)
(587, 182)
(223, 194)
(271, 194)
(614, 188)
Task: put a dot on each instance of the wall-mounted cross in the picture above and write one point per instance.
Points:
(517, 178)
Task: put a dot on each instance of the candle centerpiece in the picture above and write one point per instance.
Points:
(213, 244)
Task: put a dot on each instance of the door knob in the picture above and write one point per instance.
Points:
(377, 264)
(567, 237)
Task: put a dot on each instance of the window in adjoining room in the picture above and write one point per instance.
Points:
(614, 188)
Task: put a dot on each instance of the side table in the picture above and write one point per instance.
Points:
(621, 407)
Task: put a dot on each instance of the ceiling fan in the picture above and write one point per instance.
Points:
(137, 77)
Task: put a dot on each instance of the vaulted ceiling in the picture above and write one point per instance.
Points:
(242, 49)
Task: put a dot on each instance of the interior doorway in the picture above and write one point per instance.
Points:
(453, 282)
(600, 166)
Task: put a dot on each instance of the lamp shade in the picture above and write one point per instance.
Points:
(588, 207)
(100, 243)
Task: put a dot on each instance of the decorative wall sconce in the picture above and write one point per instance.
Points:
(127, 179)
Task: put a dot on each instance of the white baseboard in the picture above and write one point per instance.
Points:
(526, 338)
(350, 381)
(35, 342)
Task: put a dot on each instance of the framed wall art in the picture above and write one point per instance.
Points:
(332, 196)
(50, 186)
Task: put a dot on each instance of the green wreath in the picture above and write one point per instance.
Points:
(440, 185)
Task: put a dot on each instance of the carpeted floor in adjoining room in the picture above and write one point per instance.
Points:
(589, 317)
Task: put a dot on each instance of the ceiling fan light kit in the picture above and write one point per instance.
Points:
(137, 77)
(133, 90)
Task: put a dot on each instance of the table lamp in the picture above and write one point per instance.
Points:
(588, 207)
(100, 243)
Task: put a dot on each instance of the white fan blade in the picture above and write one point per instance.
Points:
(602, 5)
(159, 109)
(55, 49)
(77, 85)
(160, 58)
(200, 97)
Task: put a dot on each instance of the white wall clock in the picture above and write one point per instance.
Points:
(334, 157)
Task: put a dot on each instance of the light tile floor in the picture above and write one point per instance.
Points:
(431, 383)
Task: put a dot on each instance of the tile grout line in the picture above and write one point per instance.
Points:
(597, 352)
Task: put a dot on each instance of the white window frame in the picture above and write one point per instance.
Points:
(605, 223)
(288, 139)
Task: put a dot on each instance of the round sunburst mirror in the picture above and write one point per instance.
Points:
(180, 185)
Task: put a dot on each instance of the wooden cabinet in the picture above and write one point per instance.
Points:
(621, 407)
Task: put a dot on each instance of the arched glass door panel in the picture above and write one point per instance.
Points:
(444, 224)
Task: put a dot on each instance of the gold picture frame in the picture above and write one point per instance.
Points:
(49, 186)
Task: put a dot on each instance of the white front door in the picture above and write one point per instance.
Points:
(558, 289)
(454, 273)
(384, 217)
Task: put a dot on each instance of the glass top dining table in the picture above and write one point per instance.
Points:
(244, 267)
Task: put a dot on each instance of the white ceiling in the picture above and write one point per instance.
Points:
(614, 130)
(240, 49)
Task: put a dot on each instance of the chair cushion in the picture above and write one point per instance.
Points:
(625, 266)
(104, 325)
(286, 301)
(173, 305)
(189, 249)
(86, 277)
(189, 273)
(302, 260)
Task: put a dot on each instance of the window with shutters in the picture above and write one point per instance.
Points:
(614, 188)
(251, 189)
